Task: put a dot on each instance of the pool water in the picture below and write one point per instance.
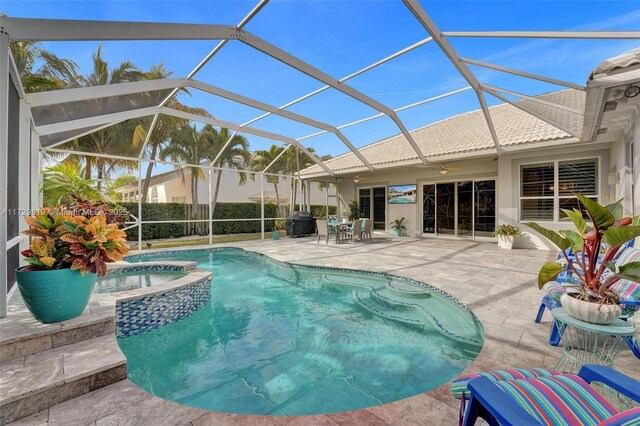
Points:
(278, 339)
(123, 281)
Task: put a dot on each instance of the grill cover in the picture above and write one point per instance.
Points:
(300, 223)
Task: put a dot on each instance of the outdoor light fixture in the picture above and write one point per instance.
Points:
(356, 179)
(632, 91)
(444, 171)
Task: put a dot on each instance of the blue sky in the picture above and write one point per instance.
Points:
(340, 37)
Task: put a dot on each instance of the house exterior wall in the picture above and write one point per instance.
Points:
(505, 170)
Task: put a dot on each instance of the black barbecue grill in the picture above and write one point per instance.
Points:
(300, 224)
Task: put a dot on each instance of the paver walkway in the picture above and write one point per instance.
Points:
(498, 285)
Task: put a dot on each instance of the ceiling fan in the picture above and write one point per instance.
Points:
(443, 169)
(358, 178)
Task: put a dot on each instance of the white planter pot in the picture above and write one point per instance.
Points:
(505, 242)
(592, 312)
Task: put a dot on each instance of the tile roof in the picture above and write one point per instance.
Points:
(468, 132)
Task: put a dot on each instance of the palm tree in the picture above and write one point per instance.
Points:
(165, 124)
(62, 180)
(235, 156)
(52, 72)
(122, 138)
(290, 166)
(260, 160)
(190, 146)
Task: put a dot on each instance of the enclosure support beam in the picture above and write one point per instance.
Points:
(528, 111)
(210, 205)
(139, 217)
(523, 74)
(262, 205)
(294, 62)
(533, 99)
(610, 35)
(28, 29)
(350, 76)
(428, 24)
(206, 59)
(4, 151)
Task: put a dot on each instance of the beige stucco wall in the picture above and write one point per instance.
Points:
(506, 171)
(483, 167)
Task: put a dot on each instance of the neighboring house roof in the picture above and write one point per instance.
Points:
(468, 132)
(269, 197)
(155, 180)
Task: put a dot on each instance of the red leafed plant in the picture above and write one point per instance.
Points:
(588, 250)
(62, 239)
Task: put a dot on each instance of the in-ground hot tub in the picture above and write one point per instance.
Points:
(282, 339)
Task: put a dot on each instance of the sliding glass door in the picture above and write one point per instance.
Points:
(463, 209)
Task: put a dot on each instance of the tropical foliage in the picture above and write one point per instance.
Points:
(398, 224)
(590, 248)
(41, 70)
(61, 239)
(261, 160)
(62, 180)
(507, 230)
(236, 155)
(354, 210)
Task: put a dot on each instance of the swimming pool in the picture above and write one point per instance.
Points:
(281, 339)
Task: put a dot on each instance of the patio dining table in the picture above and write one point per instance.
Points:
(338, 228)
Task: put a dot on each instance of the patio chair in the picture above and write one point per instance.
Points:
(552, 399)
(353, 231)
(366, 229)
(323, 230)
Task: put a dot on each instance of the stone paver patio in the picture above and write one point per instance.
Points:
(498, 285)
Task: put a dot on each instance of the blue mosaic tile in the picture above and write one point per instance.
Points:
(136, 316)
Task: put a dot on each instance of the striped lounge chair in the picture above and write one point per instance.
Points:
(629, 292)
(551, 399)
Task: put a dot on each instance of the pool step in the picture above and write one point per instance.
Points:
(28, 336)
(353, 281)
(408, 290)
(365, 301)
(36, 382)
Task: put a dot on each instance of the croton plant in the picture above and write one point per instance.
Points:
(82, 236)
(588, 250)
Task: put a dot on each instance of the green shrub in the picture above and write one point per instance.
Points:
(178, 211)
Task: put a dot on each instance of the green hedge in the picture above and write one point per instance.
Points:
(178, 211)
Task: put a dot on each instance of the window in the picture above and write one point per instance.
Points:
(547, 188)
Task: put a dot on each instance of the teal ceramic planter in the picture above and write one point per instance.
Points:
(398, 232)
(57, 295)
(275, 235)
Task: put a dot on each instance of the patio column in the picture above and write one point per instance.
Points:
(4, 152)
(139, 204)
(262, 205)
(211, 205)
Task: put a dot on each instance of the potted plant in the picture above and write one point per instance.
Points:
(354, 211)
(278, 225)
(66, 254)
(398, 226)
(588, 251)
(506, 235)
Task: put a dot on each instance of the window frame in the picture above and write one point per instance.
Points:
(556, 197)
